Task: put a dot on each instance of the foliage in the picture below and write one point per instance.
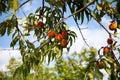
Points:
(80, 66)
(53, 17)
(4, 76)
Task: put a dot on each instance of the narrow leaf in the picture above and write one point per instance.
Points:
(115, 33)
(82, 17)
(98, 7)
(14, 41)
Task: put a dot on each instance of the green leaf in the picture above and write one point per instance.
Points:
(21, 44)
(118, 26)
(118, 6)
(97, 16)
(98, 7)
(72, 34)
(53, 56)
(71, 41)
(68, 49)
(98, 73)
(29, 44)
(73, 9)
(14, 41)
(118, 23)
(90, 1)
(115, 33)
(2, 29)
(26, 70)
(13, 35)
(17, 73)
(87, 15)
(102, 14)
(49, 57)
(82, 17)
(14, 5)
(38, 10)
(9, 30)
(112, 76)
(31, 1)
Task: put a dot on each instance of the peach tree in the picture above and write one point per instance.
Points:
(52, 34)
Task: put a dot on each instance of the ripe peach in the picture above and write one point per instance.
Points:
(100, 64)
(40, 24)
(64, 34)
(113, 26)
(58, 37)
(63, 42)
(109, 40)
(106, 50)
(51, 33)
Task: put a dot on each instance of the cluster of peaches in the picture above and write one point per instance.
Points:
(60, 37)
(108, 50)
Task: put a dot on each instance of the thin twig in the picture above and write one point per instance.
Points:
(41, 11)
(8, 49)
(43, 2)
(79, 28)
(14, 15)
(22, 4)
(81, 33)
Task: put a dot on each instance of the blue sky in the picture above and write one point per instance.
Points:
(94, 35)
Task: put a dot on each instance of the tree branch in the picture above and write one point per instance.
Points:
(100, 24)
(80, 10)
(41, 11)
(22, 4)
(79, 28)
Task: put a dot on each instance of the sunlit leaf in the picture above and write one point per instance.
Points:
(115, 33)
(90, 1)
(14, 5)
(98, 7)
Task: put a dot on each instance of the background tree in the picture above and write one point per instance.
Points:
(52, 33)
(4, 76)
(76, 66)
